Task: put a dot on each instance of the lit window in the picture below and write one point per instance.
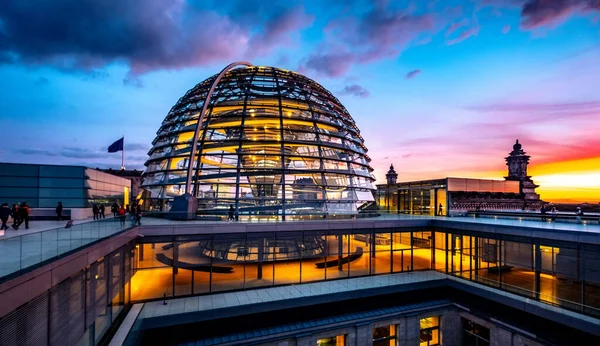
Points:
(384, 336)
(339, 340)
(430, 331)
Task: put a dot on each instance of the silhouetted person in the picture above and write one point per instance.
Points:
(553, 212)
(95, 211)
(23, 214)
(138, 215)
(59, 211)
(440, 211)
(115, 209)
(121, 212)
(579, 214)
(101, 212)
(231, 213)
(14, 213)
(543, 211)
(4, 214)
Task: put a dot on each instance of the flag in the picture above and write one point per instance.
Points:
(116, 146)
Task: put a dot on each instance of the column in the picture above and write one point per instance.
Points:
(500, 337)
(261, 252)
(364, 335)
(451, 329)
(409, 331)
(537, 269)
(340, 249)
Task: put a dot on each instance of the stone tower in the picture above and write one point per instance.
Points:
(391, 176)
(517, 162)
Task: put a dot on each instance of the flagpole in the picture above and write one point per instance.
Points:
(123, 155)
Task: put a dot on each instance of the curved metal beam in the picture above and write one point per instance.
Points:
(214, 84)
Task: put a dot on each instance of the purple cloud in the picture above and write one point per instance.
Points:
(536, 13)
(412, 74)
(355, 90)
(162, 34)
(464, 35)
(506, 29)
(455, 26)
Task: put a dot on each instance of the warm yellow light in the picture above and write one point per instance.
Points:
(96, 277)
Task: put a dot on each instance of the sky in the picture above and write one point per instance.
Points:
(438, 88)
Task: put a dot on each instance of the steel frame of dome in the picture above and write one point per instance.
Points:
(265, 140)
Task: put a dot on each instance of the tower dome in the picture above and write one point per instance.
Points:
(269, 142)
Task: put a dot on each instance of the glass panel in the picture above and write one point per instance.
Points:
(337, 251)
(313, 252)
(260, 264)
(230, 253)
(360, 247)
(152, 283)
(381, 263)
(287, 258)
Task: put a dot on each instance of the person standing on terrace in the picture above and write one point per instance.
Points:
(4, 214)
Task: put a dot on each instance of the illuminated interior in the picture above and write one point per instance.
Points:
(272, 143)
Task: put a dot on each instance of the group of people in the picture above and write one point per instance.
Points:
(98, 211)
(18, 212)
(547, 208)
(134, 211)
(554, 212)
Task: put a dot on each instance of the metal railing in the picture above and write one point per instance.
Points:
(21, 252)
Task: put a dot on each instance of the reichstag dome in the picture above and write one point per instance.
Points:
(267, 141)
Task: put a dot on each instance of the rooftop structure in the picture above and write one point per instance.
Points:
(408, 279)
(456, 196)
(270, 142)
(77, 187)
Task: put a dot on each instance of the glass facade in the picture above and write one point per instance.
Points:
(417, 198)
(272, 143)
(43, 186)
(449, 196)
(562, 274)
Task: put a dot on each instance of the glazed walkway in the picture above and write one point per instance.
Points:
(24, 248)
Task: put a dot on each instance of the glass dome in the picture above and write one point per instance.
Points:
(271, 143)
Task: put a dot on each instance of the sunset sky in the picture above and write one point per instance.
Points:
(438, 88)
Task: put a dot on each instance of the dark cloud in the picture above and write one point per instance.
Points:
(156, 34)
(355, 90)
(413, 74)
(536, 13)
